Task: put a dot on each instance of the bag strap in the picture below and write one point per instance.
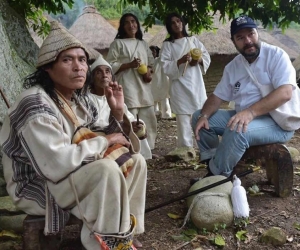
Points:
(133, 54)
(67, 109)
(71, 180)
(252, 76)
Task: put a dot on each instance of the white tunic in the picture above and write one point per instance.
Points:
(104, 110)
(39, 158)
(187, 93)
(103, 119)
(160, 82)
(137, 93)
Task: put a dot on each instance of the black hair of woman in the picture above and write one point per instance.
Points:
(168, 23)
(121, 30)
(156, 48)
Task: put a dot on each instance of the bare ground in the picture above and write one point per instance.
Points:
(168, 181)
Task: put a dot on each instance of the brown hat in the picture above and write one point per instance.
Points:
(58, 40)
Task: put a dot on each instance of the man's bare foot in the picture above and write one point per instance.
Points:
(137, 243)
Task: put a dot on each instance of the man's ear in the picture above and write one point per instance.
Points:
(47, 68)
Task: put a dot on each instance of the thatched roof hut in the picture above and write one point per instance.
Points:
(158, 39)
(146, 35)
(286, 40)
(93, 30)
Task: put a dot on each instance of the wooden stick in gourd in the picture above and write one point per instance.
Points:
(186, 64)
(196, 55)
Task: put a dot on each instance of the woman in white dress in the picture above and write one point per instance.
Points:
(126, 53)
(187, 89)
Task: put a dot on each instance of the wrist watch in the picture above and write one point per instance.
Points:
(202, 115)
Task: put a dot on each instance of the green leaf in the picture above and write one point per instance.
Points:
(174, 216)
(219, 241)
(190, 232)
(297, 225)
(181, 237)
(241, 235)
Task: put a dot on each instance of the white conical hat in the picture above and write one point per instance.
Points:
(100, 61)
(58, 40)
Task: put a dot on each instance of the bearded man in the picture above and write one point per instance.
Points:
(250, 123)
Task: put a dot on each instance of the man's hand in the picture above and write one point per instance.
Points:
(115, 99)
(240, 120)
(202, 123)
(117, 138)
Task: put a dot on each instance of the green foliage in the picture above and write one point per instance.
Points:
(107, 8)
(28, 7)
(294, 25)
(186, 235)
(218, 227)
(69, 16)
(39, 23)
(297, 226)
(32, 12)
(218, 240)
(198, 13)
(241, 235)
(140, 13)
(111, 14)
(240, 223)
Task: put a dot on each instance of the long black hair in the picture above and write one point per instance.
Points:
(168, 23)
(156, 48)
(121, 31)
(41, 78)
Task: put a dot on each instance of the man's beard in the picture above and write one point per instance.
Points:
(252, 55)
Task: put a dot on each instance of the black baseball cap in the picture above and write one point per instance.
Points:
(241, 22)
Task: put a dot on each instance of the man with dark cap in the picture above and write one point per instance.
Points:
(250, 123)
(50, 173)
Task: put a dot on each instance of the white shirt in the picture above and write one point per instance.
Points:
(272, 66)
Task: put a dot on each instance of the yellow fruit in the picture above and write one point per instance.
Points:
(196, 54)
(141, 132)
(142, 69)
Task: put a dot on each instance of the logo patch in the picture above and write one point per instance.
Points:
(236, 87)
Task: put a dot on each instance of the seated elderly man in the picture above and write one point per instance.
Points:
(55, 162)
(102, 76)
